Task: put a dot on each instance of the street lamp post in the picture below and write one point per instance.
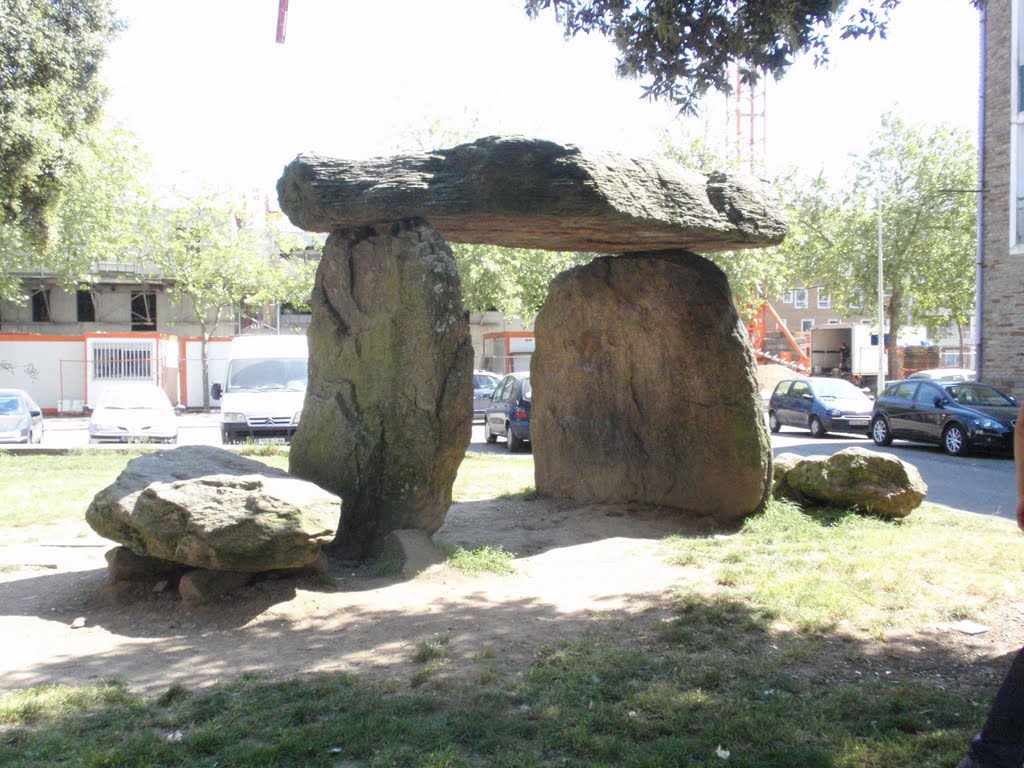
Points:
(881, 295)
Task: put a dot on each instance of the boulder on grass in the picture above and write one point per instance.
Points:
(208, 508)
(866, 480)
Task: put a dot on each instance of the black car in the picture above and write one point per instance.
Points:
(959, 416)
(509, 411)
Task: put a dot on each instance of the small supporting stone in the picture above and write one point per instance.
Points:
(413, 549)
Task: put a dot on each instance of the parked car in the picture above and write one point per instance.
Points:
(484, 383)
(21, 420)
(819, 404)
(133, 412)
(944, 374)
(508, 413)
(958, 416)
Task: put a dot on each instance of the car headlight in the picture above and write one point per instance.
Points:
(295, 418)
(983, 423)
(835, 413)
(232, 418)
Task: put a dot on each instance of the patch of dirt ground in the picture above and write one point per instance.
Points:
(579, 571)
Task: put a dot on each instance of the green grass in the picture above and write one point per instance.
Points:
(835, 568)
(486, 559)
(485, 476)
(778, 648)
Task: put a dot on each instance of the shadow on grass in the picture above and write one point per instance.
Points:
(715, 683)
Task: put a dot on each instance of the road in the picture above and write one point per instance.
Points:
(977, 483)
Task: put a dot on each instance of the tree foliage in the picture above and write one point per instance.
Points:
(925, 185)
(219, 264)
(684, 48)
(50, 95)
(105, 213)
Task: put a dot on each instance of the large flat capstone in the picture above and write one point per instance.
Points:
(530, 193)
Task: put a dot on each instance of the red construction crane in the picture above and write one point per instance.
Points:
(282, 19)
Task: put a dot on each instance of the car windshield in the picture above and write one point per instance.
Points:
(258, 374)
(12, 405)
(836, 388)
(146, 398)
(978, 394)
(484, 382)
(527, 390)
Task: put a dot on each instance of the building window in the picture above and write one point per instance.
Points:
(86, 303)
(800, 298)
(41, 306)
(824, 300)
(787, 297)
(806, 324)
(833, 321)
(143, 311)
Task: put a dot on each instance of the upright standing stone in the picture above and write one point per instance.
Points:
(644, 389)
(388, 410)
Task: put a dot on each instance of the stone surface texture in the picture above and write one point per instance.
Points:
(644, 389)
(866, 480)
(388, 410)
(205, 507)
(413, 551)
(523, 192)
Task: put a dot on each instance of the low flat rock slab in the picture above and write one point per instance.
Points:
(205, 507)
(529, 193)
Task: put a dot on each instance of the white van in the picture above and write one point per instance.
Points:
(266, 384)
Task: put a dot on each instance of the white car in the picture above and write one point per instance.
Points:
(944, 374)
(133, 412)
(21, 420)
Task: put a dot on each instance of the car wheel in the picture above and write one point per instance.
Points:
(954, 440)
(773, 422)
(816, 427)
(880, 431)
(489, 436)
(512, 442)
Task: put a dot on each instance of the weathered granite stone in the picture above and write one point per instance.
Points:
(388, 410)
(125, 565)
(412, 550)
(175, 506)
(866, 480)
(522, 192)
(644, 389)
(203, 586)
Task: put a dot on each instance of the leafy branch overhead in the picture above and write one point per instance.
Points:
(684, 48)
(50, 95)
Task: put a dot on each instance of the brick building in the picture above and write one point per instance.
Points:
(1001, 220)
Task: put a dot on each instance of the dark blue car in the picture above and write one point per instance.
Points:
(956, 415)
(819, 404)
(509, 411)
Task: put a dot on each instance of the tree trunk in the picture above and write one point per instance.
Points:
(963, 348)
(892, 315)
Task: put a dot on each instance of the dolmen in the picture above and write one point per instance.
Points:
(643, 372)
(212, 519)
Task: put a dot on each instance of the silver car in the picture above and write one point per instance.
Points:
(484, 383)
(21, 420)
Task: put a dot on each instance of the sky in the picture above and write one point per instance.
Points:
(215, 100)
